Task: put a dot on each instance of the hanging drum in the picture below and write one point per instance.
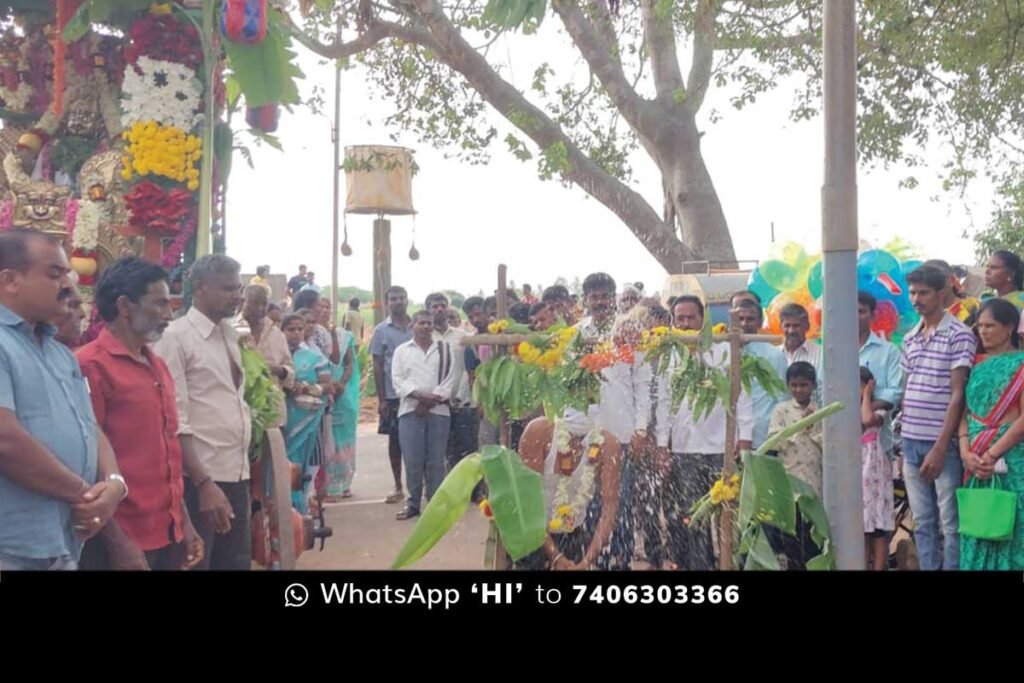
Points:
(379, 180)
(244, 21)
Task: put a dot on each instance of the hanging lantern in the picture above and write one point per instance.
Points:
(263, 118)
(379, 180)
(244, 21)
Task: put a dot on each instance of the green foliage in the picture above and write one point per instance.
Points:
(262, 395)
(266, 73)
(1006, 227)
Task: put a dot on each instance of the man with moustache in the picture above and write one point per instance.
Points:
(59, 483)
(133, 398)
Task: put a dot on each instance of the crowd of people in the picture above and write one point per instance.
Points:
(131, 450)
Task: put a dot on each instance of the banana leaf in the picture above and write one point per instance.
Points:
(516, 494)
(770, 496)
(760, 555)
(812, 509)
(776, 440)
(445, 508)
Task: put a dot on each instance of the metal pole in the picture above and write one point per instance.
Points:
(336, 135)
(204, 243)
(842, 460)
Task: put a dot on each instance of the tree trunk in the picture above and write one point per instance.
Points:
(691, 195)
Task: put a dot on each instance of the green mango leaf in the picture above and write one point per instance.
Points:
(772, 500)
(445, 508)
(822, 563)
(516, 495)
(706, 338)
(266, 72)
(760, 555)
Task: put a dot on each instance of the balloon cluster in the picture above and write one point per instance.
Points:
(792, 276)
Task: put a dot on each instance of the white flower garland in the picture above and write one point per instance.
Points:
(87, 226)
(164, 91)
(17, 99)
(16, 175)
(569, 507)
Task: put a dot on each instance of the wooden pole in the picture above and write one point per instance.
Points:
(729, 462)
(504, 429)
(381, 267)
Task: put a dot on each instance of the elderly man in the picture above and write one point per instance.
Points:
(59, 482)
(214, 428)
(257, 331)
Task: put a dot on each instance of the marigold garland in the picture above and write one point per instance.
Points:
(164, 151)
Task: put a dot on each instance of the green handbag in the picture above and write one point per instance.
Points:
(986, 512)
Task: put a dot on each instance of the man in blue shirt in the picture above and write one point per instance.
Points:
(751, 318)
(59, 483)
(883, 360)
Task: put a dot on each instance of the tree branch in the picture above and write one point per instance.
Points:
(627, 204)
(603, 59)
(703, 54)
(377, 31)
(660, 40)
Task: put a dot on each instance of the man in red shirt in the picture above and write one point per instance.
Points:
(133, 397)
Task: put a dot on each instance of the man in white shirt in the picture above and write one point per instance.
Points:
(697, 450)
(214, 426)
(623, 411)
(422, 375)
(795, 326)
(462, 438)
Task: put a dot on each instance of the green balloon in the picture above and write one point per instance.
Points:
(779, 275)
(816, 280)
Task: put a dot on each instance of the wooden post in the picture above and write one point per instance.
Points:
(381, 267)
(728, 463)
(504, 429)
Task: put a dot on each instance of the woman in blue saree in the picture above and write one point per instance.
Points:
(307, 405)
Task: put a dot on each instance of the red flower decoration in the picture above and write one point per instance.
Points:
(163, 36)
(155, 210)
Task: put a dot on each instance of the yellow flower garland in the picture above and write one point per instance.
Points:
(162, 150)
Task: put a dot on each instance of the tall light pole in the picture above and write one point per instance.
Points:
(842, 459)
(336, 136)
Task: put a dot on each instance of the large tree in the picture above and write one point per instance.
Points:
(913, 86)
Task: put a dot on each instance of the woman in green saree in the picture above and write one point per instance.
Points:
(992, 430)
(307, 404)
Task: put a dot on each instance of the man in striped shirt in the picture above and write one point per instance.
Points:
(937, 358)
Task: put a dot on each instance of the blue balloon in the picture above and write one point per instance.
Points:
(879, 291)
(877, 262)
(757, 285)
(903, 303)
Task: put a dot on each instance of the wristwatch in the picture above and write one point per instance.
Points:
(119, 478)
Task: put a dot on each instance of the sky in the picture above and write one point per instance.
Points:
(767, 170)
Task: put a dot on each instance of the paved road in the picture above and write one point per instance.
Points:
(366, 533)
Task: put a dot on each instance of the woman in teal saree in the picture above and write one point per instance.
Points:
(307, 405)
(340, 461)
(992, 431)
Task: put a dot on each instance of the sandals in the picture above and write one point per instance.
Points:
(407, 513)
(396, 497)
